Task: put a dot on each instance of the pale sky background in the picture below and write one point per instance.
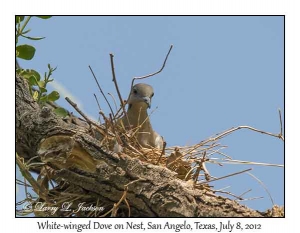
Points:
(222, 72)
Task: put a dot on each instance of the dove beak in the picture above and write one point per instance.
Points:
(147, 101)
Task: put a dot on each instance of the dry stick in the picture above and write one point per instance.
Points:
(245, 193)
(222, 177)
(74, 105)
(207, 149)
(98, 107)
(225, 134)
(263, 185)
(221, 153)
(149, 75)
(128, 206)
(279, 111)
(116, 205)
(116, 85)
(190, 171)
(97, 102)
(202, 166)
(234, 161)
(38, 189)
(246, 127)
(115, 103)
(101, 90)
(218, 152)
(157, 72)
(231, 194)
(107, 124)
(162, 152)
(140, 125)
(118, 139)
(251, 199)
(221, 189)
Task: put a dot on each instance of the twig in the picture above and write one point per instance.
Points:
(190, 171)
(97, 102)
(98, 107)
(225, 133)
(245, 193)
(146, 76)
(162, 152)
(251, 199)
(222, 177)
(74, 105)
(134, 181)
(149, 75)
(119, 141)
(140, 125)
(116, 205)
(218, 152)
(128, 206)
(234, 161)
(101, 90)
(281, 133)
(222, 188)
(38, 189)
(245, 127)
(115, 103)
(262, 184)
(229, 193)
(116, 84)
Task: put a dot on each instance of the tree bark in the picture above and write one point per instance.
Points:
(78, 159)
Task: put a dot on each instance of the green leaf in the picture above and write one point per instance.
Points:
(43, 90)
(41, 84)
(44, 98)
(23, 33)
(44, 16)
(54, 95)
(32, 81)
(28, 73)
(25, 51)
(33, 38)
(19, 19)
(61, 112)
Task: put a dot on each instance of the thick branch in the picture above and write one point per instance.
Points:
(78, 159)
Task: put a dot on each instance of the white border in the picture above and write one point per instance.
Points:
(240, 7)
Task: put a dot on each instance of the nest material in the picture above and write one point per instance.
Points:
(62, 151)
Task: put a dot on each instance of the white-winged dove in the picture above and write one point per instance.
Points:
(138, 103)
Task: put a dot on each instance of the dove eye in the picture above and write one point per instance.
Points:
(134, 91)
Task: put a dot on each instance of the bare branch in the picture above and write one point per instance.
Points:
(222, 177)
(281, 133)
(116, 85)
(162, 152)
(98, 107)
(142, 77)
(115, 103)
(149, 75)
(101, 90)
(90, 122)
(97, 102)
(263, 185)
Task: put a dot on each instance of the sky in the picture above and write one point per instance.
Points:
(223, 72)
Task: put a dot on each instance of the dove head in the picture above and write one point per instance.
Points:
(141, 94)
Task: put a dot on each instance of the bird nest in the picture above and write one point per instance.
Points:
(188, 162)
